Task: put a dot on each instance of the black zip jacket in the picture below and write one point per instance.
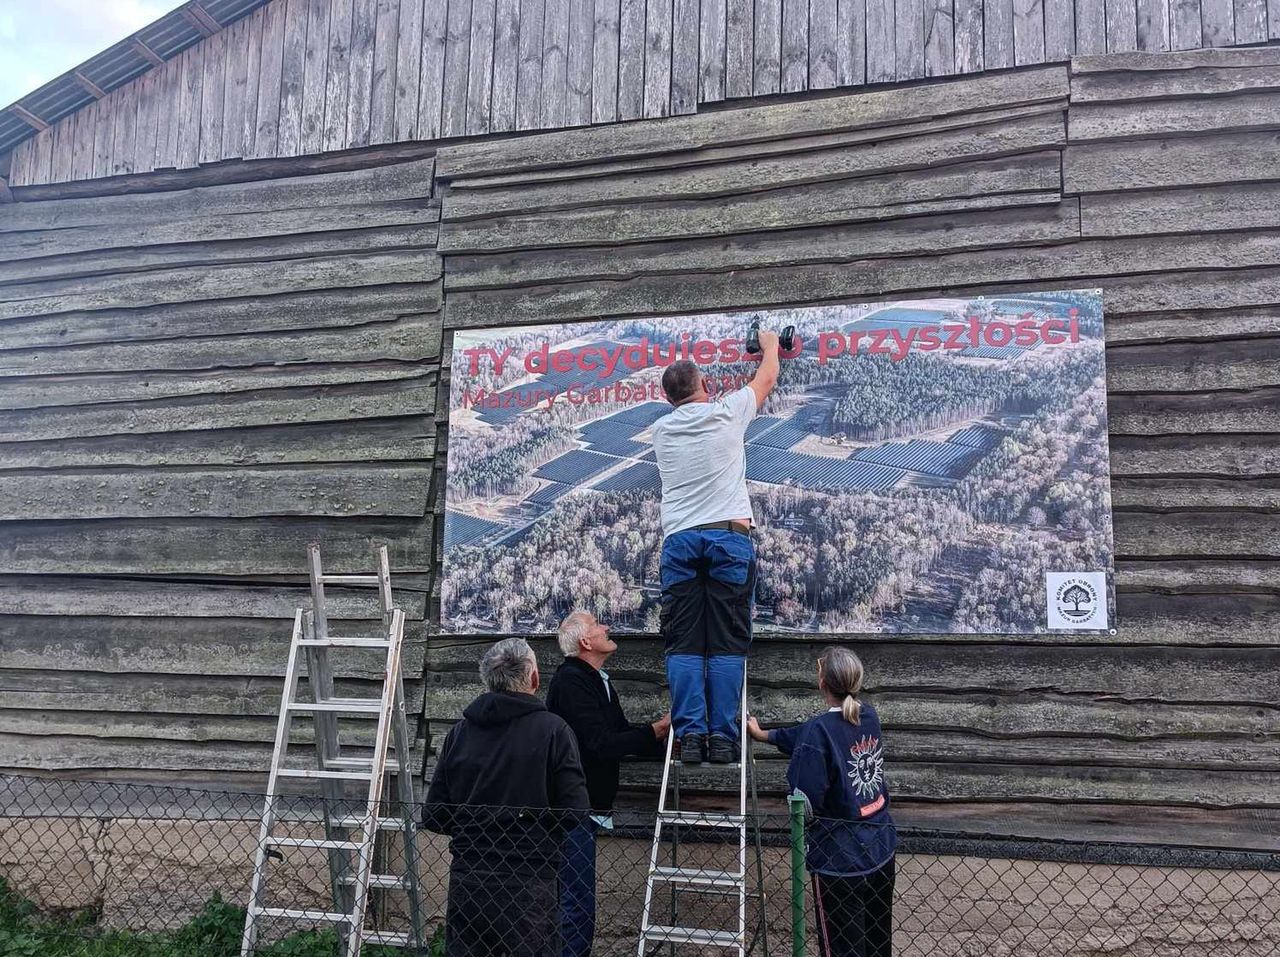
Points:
(578, 695)
(507, 786)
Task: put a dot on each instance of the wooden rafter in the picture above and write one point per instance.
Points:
(200, 17)
(29, 118)
(144, 51)
(92, 88)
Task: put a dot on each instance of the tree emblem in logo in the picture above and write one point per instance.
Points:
(867, 766)
(1077, 602)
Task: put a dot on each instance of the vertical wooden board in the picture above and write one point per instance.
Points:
(1091, 26)
(20, 166)
(1059, 30)
(338, 70)
(382, 107)
(103, 131)
(970, 45)
(529, 71)
(1122, 25)
(768, 47)
(164, 108)
(582, 36)
(657, 58)
(212, 94)
(824, 26)
(506, 66)
(1028, 31)
(266, 130)
(457, 67)
(1251, 21)
(631, 18)
(909, 32)
(740, 17)
(253, 76)
(315, 77)
(190, 98)
(82, 140)
(480, 66)
(1273, 19)
(851, 42)
(555, 63)
(236, 80)
(684, 56)
(293, 67)
(144, 138)
(408, 70)
(882, 65)
(435, 32)
(604, 61)
(712, 51)
(939, 38)
(126, 126)
(1217, 23)
(364, 26)
(997, 27)
(60, 151)
(1184, 25)
(795, 46)
(40, 157)
(1153, 25)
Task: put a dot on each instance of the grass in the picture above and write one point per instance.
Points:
(213, 932)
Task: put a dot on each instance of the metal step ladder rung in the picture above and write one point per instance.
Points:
(692, 935)
(350, 579)
(383, 824)
(703, 819)
(384, 881)
(338, 706)
(329, 917)
(314, 775)
(387, 938)
(315, 843)
(695, 875)
(376, 644)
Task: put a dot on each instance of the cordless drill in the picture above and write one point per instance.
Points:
(786, 338)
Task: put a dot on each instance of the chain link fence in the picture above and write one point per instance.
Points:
(91, 869)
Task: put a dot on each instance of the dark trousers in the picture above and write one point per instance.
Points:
(855, 914)
(501, 916)
(708, 587)
(578, 891)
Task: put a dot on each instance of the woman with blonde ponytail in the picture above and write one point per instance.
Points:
(837, 765)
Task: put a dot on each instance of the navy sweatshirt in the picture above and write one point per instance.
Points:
(839, 768)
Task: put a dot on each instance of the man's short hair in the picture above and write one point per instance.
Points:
(508, 666)
(681, 380)
(572, 630)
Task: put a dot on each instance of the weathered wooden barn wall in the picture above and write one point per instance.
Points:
(300, 77)
(196, 384)
(1152, 177)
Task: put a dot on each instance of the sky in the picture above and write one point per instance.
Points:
(41, 39)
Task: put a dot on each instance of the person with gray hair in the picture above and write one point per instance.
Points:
(581, 693)
(508, 785)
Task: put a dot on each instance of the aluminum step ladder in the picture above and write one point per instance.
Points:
(352, 825)
(726, 883)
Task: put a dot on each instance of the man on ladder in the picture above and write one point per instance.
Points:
(708, 560)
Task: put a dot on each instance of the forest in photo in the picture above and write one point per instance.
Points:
(920, 467)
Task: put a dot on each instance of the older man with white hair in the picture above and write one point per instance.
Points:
(581, 693)
(508, 785)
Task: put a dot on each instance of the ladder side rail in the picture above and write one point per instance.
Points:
(369, 830)
(405, 794)
(382, 563)
(381, 578)
(657, 840)
(742, 810)
(249, 938)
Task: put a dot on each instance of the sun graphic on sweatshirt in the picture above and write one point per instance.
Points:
(867, 766)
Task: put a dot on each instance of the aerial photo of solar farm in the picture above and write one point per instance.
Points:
(919, 468)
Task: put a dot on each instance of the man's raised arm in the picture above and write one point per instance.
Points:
(766, 376)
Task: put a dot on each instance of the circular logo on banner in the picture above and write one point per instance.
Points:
(1077, 600)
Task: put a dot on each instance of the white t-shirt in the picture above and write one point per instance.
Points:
(703, 461)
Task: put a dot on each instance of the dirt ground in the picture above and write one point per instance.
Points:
(155, 874)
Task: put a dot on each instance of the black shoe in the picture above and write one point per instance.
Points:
(720, 750)
(691, 749)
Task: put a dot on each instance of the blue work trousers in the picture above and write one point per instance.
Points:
(578, 891)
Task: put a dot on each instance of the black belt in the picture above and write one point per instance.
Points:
(726, 526)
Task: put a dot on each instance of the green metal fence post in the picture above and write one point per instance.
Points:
(797, 804)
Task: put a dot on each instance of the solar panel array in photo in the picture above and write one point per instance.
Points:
(643, 415)
(978, 437)
(613, 437)
(572, 467)
(761, 423)
(462, 529)
(919, 455)
(548, 493)
(781, 436)
(779, 467)
(553, 381)
(641, 477)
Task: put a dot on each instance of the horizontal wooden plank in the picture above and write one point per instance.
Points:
(1034, 225)
(752, 173)
(357, 237)
(219, 281)
(988, 184)
(1237, 456)
(1193, 290)
(1198, 575)
(186, 645)
(353, 401)
(1180, 60)
(407, 438)
(162, 693)
(38, 753)
(1083, 264)
(392, 182)
(1125, 672)
(1196, 493)
(1188, 115)
(212, 546)
(1187, 210)
(1193, 326)
(1170, 161)
(167, 727)
(1256, 410)
(413, 338)
(1194, 366)
(1210, 534)
(277, 312)
(234, 492)
(43, 391)
(130, 598)
(1152, 85)
(773, 121)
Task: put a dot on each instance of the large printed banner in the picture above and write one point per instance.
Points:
(933, 466)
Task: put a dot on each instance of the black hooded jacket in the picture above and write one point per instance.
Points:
(501, 773)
